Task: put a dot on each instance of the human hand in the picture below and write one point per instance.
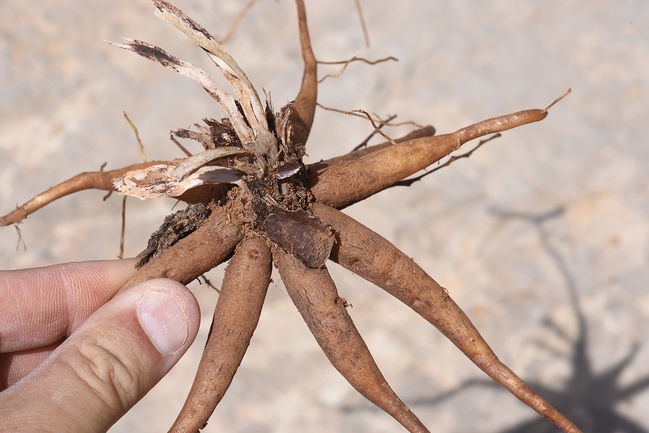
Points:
(73, 359)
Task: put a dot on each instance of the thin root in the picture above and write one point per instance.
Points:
(363, 143)
(180, 146)
(208, 283)
(376, 128)
(558, 99)
(237, 21)
(20, 239)
(379, 121)
(137, 136)
(123, 230)
(346, 63)
(366, 35)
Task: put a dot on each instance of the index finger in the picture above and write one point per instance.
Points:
(42, 305)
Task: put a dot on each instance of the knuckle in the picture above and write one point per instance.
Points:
(110, 375)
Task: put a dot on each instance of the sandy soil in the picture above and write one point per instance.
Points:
(547, 210)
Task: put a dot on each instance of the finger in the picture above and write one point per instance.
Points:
(42, 305)
(14, 366)
(108, 364)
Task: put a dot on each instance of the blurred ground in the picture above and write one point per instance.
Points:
(550, 209)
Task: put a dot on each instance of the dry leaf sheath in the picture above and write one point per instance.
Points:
(252, 201)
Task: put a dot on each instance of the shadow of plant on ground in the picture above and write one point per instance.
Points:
(589, 398)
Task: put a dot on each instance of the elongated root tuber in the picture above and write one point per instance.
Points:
(235, 319)
(314, 294)
(202, 250)
(346, 183)
(374, 258)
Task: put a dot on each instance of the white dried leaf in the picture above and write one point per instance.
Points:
(246, 93)
(264, 144)
(193, 72)
(159, 181)
(194, 162)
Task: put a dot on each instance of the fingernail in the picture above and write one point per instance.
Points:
(164, 320)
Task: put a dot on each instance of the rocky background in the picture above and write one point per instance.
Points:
(548, 214)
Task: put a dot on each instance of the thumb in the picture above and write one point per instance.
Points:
(108, 364)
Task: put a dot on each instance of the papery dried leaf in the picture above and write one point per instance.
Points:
(186, 69)
(160, 181)
(193, 163)
(239, 81)
(264, 144)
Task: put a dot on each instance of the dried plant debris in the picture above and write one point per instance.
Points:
(175, 227)
(254, 202)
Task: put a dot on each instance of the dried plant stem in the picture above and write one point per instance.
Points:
(235, 318)
(314, 294)
(137, 135)
(347, 183)
(122, 231)
(245, 91)
(346, 63)
(237, 21)
(374, 258)
(202, 250)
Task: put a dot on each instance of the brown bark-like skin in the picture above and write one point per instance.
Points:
(317, 167)
(301, 234)
(349, 182)
(191, 257)
(303, 109)
(314, 294)
(374, 258)
(235, 318)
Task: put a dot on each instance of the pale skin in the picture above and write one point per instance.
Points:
(76, 357)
